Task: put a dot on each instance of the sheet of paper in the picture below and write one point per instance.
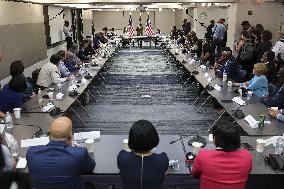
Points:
(47, 107)
(59, 96)
(217, 88)
(251, 121)
(203, 67)
(209, 79)
(84, 81)
(87, 135)
(2, 127)
(239, 101)
(22, 163)
(206, 74)
(34, 142)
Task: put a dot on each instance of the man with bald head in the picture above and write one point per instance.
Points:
(58, 164)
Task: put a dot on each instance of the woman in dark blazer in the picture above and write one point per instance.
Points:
(141, 168)
(12, 95)
(227, 166)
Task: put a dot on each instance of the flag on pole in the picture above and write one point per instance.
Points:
(149, 29)
(130, 28)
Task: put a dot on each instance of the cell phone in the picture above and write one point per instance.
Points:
(247, 146)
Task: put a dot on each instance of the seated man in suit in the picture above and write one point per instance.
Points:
(276, 100)
(59, 165)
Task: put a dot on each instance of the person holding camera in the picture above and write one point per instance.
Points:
(245, 49)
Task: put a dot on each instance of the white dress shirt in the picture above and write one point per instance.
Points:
(49, 74)
(278, 49)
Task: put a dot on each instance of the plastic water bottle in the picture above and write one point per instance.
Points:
(72, 79)
(39, 96)
(195, 56)
(225, 76)
(14, 148)
(207, 65)
(230, 85)
(279, 146)
(9, 122)
(240, 93)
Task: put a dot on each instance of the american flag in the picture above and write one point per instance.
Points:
(149, 29)
(130, 28)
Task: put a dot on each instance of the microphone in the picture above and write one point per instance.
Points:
(39, 133)
(208, 86)
(181, 138)
(238, 113)
(199, 139)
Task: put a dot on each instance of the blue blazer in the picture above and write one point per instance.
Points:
(58, 165)
(275, 101)
(10, 99)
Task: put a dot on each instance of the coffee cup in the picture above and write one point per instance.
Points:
(196, 147)
(89, 144)
(17, 112)
(125, 145)
(260, 144)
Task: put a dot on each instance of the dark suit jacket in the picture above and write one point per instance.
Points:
(58, 165)
(277, 100)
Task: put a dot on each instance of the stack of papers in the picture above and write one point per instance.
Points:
(34, 142)
(217, 88)
(72, 88)
(22, 163)
(47, 107)
(239, 101)
(87, 135)
(59, 96)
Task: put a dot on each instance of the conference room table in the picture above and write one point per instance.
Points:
(144, 38)
(253, 106)
(107, 147)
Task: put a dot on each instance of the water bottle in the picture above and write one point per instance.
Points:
(279, 146)
(195, 56)
(230, 85)
(225, 76)
(240, 93)
(39, 96)
(207, 65)
(14, 148)
(9, 122)
(72, 79)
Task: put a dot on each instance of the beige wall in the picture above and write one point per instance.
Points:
(56, 24)
(118, 19)
(180, 15)
(20, 13)
(22, 34)
(87, 22)
(213, 13)
(165, 20)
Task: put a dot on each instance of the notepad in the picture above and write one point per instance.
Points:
(47, 107)
(87, 135)
(34, 142)
(251, 121)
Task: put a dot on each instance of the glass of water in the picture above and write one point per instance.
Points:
(279, 146)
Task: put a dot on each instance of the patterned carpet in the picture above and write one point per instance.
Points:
(142, 84)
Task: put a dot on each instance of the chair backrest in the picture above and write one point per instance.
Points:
(271, 89)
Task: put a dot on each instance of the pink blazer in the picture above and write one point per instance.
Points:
(218, 169)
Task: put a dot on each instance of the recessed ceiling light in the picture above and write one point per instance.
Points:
(160, 9)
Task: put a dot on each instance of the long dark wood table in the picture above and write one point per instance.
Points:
(254, 107)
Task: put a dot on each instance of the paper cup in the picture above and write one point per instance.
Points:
(17, 112)
(274, 109)
(260, 144)
(50, 95)
(196, 147)
(125, 145)
(89, 144)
